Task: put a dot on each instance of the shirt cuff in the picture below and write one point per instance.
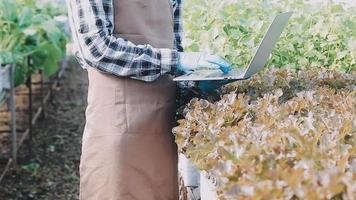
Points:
(169, 60)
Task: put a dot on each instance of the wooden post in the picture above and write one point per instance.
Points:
(13, 115)
(43, 113)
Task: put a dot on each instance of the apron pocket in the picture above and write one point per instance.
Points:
(120, 110)
(149, 118)
(142, 118)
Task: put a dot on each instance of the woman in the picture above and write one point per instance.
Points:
(130, 48)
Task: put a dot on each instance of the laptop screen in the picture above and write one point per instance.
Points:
(269, 41)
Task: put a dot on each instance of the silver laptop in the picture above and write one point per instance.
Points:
(257, 63)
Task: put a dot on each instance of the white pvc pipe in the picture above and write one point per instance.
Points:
(207, 187)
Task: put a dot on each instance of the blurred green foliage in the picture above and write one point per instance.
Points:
(31, 37)
(318, 35)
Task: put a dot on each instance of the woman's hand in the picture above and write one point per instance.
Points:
(192, 61)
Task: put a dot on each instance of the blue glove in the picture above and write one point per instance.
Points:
(191, 61)
(209, 86)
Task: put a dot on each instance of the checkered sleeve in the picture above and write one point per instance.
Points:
(92, 23)
(178, 24)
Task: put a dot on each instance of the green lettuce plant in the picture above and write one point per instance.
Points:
(30, 37)
(318, 35)
(285, 133)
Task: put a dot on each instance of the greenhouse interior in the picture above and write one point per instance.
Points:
(178, 100)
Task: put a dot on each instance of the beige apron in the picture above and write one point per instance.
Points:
(128, 150)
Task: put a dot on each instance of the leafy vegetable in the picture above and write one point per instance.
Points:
(30, 37)
(280, 135)
(318, 35)
(286, 133)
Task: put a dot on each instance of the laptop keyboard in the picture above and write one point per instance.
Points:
(233, 73)
(204, 74)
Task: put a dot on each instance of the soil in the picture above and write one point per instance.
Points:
(48, 166)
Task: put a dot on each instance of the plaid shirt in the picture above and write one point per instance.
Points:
(95, 46)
